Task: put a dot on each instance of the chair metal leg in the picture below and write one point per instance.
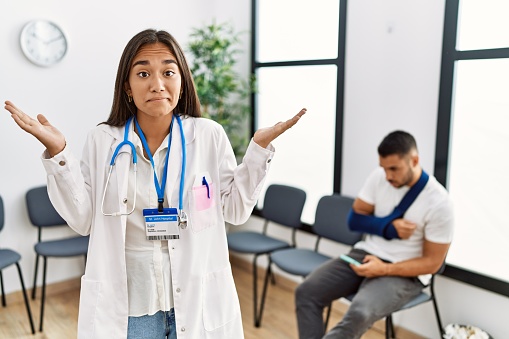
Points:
(34, 288)
(268, 274)
(4, 302)
(255, 290)
(326, 322)
(437, 314)
(389, 327)
(272, 278)
(25, 297)
(43, 297)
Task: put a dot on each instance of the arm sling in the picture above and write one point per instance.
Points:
(382, 226)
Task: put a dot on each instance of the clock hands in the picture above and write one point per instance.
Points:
(46, 42)
(54, 39)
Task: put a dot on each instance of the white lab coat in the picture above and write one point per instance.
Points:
(205, 299)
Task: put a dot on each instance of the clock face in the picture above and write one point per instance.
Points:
(43, 42)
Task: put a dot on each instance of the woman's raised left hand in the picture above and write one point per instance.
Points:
(264, 136)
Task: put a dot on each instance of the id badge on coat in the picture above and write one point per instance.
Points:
(161, 225)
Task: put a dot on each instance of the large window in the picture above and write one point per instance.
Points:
(473, 138)
(294, 30)
(298, 58)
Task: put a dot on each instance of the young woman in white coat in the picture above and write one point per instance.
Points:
(157, 264)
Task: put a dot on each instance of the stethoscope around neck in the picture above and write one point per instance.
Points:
(182, 217)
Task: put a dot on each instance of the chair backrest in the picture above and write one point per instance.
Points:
(283, 205)
(331, 219)
(40, 209)
(441, 269)
(2, 215)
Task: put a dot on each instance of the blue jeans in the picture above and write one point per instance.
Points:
(158, 326)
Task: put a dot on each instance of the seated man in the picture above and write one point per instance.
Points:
(408, 218)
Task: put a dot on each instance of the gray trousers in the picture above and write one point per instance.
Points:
(375, 298)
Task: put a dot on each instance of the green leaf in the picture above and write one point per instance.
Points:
(223, 94)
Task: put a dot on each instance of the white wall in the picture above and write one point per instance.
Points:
(393, 57)
(392, 75)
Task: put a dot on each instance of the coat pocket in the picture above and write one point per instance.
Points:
(90, 295)
(203, 197)
(220, 300)
(203, 207)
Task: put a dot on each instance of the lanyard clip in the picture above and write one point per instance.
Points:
(160, 205)
(182, 219)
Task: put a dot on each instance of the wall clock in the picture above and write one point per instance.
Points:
(43, 42)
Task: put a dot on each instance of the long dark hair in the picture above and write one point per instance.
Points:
(122, 109)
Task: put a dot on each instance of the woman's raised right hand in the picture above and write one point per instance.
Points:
(49, 136)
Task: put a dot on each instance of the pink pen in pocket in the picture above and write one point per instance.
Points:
(203, 195)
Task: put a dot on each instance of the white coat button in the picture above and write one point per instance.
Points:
(178, 290)
(269, 160)
(61, 163)
(173, 247)
(183, 329)
(124, 201)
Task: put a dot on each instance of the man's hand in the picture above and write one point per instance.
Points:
(371, 267)
(404, 228)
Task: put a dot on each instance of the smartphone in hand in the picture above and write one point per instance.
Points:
(349, 260)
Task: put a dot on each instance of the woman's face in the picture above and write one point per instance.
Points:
(154, 81)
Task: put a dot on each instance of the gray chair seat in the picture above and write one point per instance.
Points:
(8, 257)
(63, 247)
(254, 243)
(298, 261)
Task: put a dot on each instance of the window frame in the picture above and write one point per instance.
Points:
(444, 119)
(339, 62)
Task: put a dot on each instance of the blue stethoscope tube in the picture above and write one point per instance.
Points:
(182, 215)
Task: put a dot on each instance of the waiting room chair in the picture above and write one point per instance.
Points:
(282, 205)
(7, 258)
(422, 298)
(42, 214)
(330, 223)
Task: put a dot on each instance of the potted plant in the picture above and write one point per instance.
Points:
(223, 94)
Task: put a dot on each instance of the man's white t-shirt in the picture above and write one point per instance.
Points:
(431, 211)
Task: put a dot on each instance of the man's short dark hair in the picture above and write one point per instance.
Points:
(397, 142)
